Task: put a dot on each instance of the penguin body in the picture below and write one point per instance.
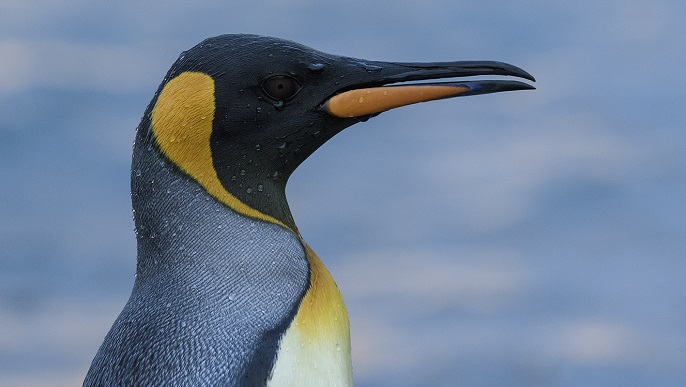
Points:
(226, 290)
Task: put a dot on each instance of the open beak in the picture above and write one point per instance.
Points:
(378, 95)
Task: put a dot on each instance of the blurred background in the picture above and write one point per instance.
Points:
(524, 239)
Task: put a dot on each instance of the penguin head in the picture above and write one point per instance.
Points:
(239, 113)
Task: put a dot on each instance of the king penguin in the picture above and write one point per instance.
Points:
(226, 291)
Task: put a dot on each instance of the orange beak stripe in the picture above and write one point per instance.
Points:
(362, 102)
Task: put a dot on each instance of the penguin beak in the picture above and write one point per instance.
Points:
(376, 96)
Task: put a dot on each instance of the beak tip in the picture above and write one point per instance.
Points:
(518, 72)
(488, 87)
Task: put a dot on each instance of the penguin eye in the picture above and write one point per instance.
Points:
(280, 87)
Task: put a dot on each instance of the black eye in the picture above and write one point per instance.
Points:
(280, 87)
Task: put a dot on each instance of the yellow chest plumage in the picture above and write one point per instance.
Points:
(315, 350)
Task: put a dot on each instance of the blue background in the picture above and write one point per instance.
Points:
(526, 239)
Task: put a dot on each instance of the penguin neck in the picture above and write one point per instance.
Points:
(230, 282)
(175, 216)
(215, 256)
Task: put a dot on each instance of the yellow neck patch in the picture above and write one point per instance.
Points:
(182, 125)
